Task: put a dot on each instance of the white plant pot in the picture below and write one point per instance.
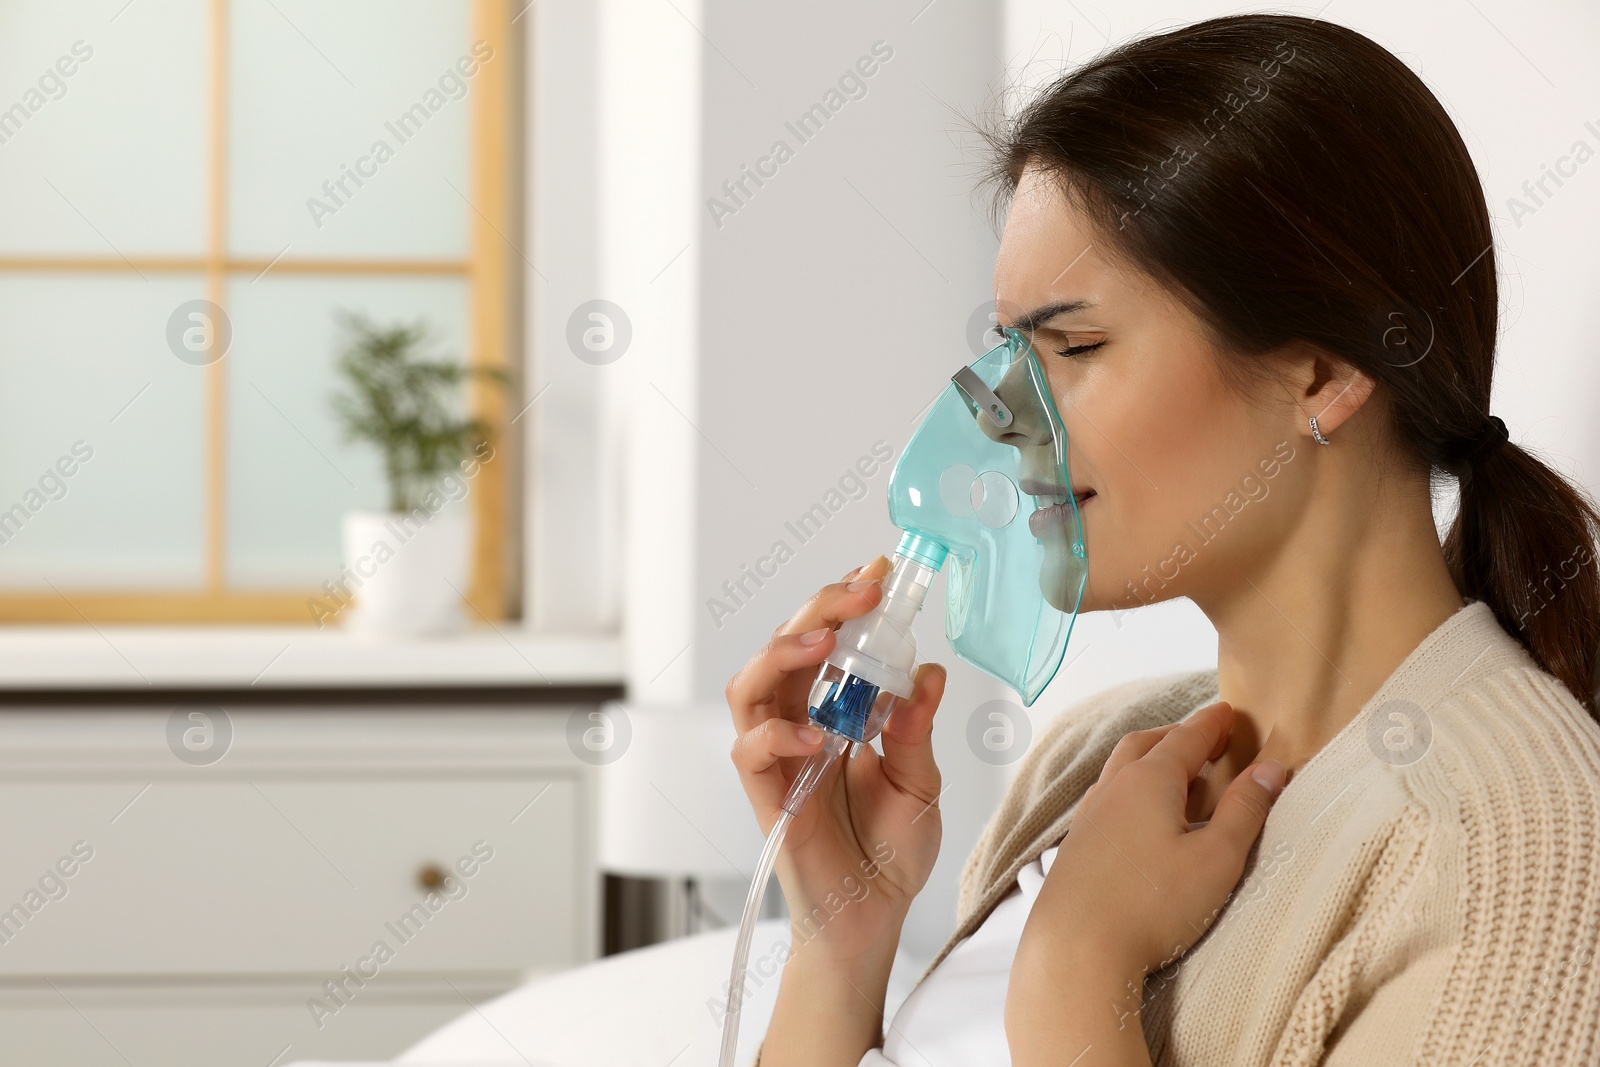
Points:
(407, 571)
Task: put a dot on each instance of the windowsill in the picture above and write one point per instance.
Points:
(126, 658)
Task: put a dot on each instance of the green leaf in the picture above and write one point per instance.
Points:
(407, 406)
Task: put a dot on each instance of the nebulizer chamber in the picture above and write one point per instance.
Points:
(1014, 580)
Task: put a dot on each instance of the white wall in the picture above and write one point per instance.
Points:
(573, 539)
(834, 307)
(769, 352)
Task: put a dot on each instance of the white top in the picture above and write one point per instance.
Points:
(956, 1016)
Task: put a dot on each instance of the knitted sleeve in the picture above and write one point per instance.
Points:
(1488, 952)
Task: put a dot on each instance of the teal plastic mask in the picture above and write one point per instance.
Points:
(985, 476)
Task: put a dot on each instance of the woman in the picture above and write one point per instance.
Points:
(1254, 256)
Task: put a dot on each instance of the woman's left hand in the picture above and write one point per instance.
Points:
(1131, 889)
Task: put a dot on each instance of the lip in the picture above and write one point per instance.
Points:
(1050, 516)
(1045, 519)
(1045, 490)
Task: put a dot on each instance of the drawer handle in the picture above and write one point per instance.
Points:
(432, 876)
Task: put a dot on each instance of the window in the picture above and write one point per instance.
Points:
(192, 189)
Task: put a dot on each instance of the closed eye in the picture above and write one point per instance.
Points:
(1074, 350)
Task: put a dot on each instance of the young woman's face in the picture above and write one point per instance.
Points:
(1180, 466)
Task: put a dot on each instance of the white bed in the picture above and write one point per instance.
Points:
(651, 1006)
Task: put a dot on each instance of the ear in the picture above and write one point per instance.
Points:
(1331, 389)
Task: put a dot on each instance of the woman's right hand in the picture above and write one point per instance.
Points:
(863, 846)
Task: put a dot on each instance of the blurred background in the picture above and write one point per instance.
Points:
(412, 413)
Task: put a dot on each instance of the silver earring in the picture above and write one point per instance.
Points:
(1321, 440)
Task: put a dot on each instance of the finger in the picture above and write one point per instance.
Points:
(907, 737)
(1133, 746)
(751, 692)
(756, 753)
(1196, 739)
(1242, 809)
(833, 604)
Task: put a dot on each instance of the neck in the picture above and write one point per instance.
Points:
(1316, 628)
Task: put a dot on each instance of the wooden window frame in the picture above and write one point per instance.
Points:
(491, 275)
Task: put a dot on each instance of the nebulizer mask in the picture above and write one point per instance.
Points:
(982, 490)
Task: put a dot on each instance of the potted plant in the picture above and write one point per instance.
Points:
(407, 567)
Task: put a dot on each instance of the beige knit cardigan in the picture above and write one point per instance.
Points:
(1426, 890)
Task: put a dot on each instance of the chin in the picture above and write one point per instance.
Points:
(1062, 575)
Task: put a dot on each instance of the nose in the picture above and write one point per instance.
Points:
(1019, 392)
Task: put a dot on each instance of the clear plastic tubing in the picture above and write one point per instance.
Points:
(815, 768)
(875, 654)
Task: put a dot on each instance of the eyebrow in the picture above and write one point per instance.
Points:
(1041, 315)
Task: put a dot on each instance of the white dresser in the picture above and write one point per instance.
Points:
(362, 863)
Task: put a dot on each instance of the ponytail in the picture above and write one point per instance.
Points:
(1524, 541)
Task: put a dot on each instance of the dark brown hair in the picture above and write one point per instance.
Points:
(1295, 181)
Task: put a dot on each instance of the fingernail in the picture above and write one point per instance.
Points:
(809, 734)
(1269, 774)
(864, 567)
(811, 637)
(869, 565)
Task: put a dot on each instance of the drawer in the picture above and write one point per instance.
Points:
(293, 873)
